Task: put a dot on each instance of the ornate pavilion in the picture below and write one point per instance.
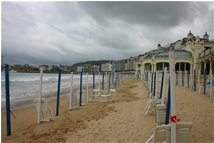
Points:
(191, 53)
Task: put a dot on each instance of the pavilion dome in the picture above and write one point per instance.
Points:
(162, 54)
(177, 53)
(190, 35)
(182, 54)
(206, 36)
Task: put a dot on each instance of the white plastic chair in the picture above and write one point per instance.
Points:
(160, 114)
(45, 110)
(159, 134)
(183, 132)
(95, 93)
(162, 133)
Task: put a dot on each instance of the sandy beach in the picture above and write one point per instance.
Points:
(120, 121)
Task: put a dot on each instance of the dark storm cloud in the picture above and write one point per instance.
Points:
(160, 14)
(69, 32)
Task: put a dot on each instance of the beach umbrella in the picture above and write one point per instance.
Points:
(173, 118)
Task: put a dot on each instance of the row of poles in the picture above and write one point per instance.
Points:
(116, 80)
(151, 79)
(176, 78)
(184, 78)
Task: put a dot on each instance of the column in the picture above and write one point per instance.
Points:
(205, 76)
(179, 67)
(141, 71)
(185, 67)
(163, 66)
(155, 67)
(211, 92)
(199, 82)
(211, 65)
(191, 76)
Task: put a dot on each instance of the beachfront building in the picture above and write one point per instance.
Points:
(119, 65)
(80, 68)
(138, 67)
(107, 67)
(125, 64)
(190, 54)
(95, 68)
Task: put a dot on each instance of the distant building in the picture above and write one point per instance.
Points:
(107, 67)
(95, 68)
(80, 68)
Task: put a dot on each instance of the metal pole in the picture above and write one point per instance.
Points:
(204, 80)
(151, 82)
(103, 81)
(58, 93)
(7, 90)
(168, 105)
(211, 84)
(154, 94)
(81, 87)
(164, 84)
(93, 80)
(113, 79)
(161, 88)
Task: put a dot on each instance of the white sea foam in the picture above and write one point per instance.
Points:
(25, 86)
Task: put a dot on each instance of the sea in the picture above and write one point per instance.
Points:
(24, 87)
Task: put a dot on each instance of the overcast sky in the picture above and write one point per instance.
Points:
(69, 32)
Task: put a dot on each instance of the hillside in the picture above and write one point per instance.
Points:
(98, 63)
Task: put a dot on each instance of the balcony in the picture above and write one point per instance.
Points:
(206, 53)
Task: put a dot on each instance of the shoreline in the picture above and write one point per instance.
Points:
(30, 102)
(122, 120)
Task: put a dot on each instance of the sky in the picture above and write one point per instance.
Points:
(70, 32)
